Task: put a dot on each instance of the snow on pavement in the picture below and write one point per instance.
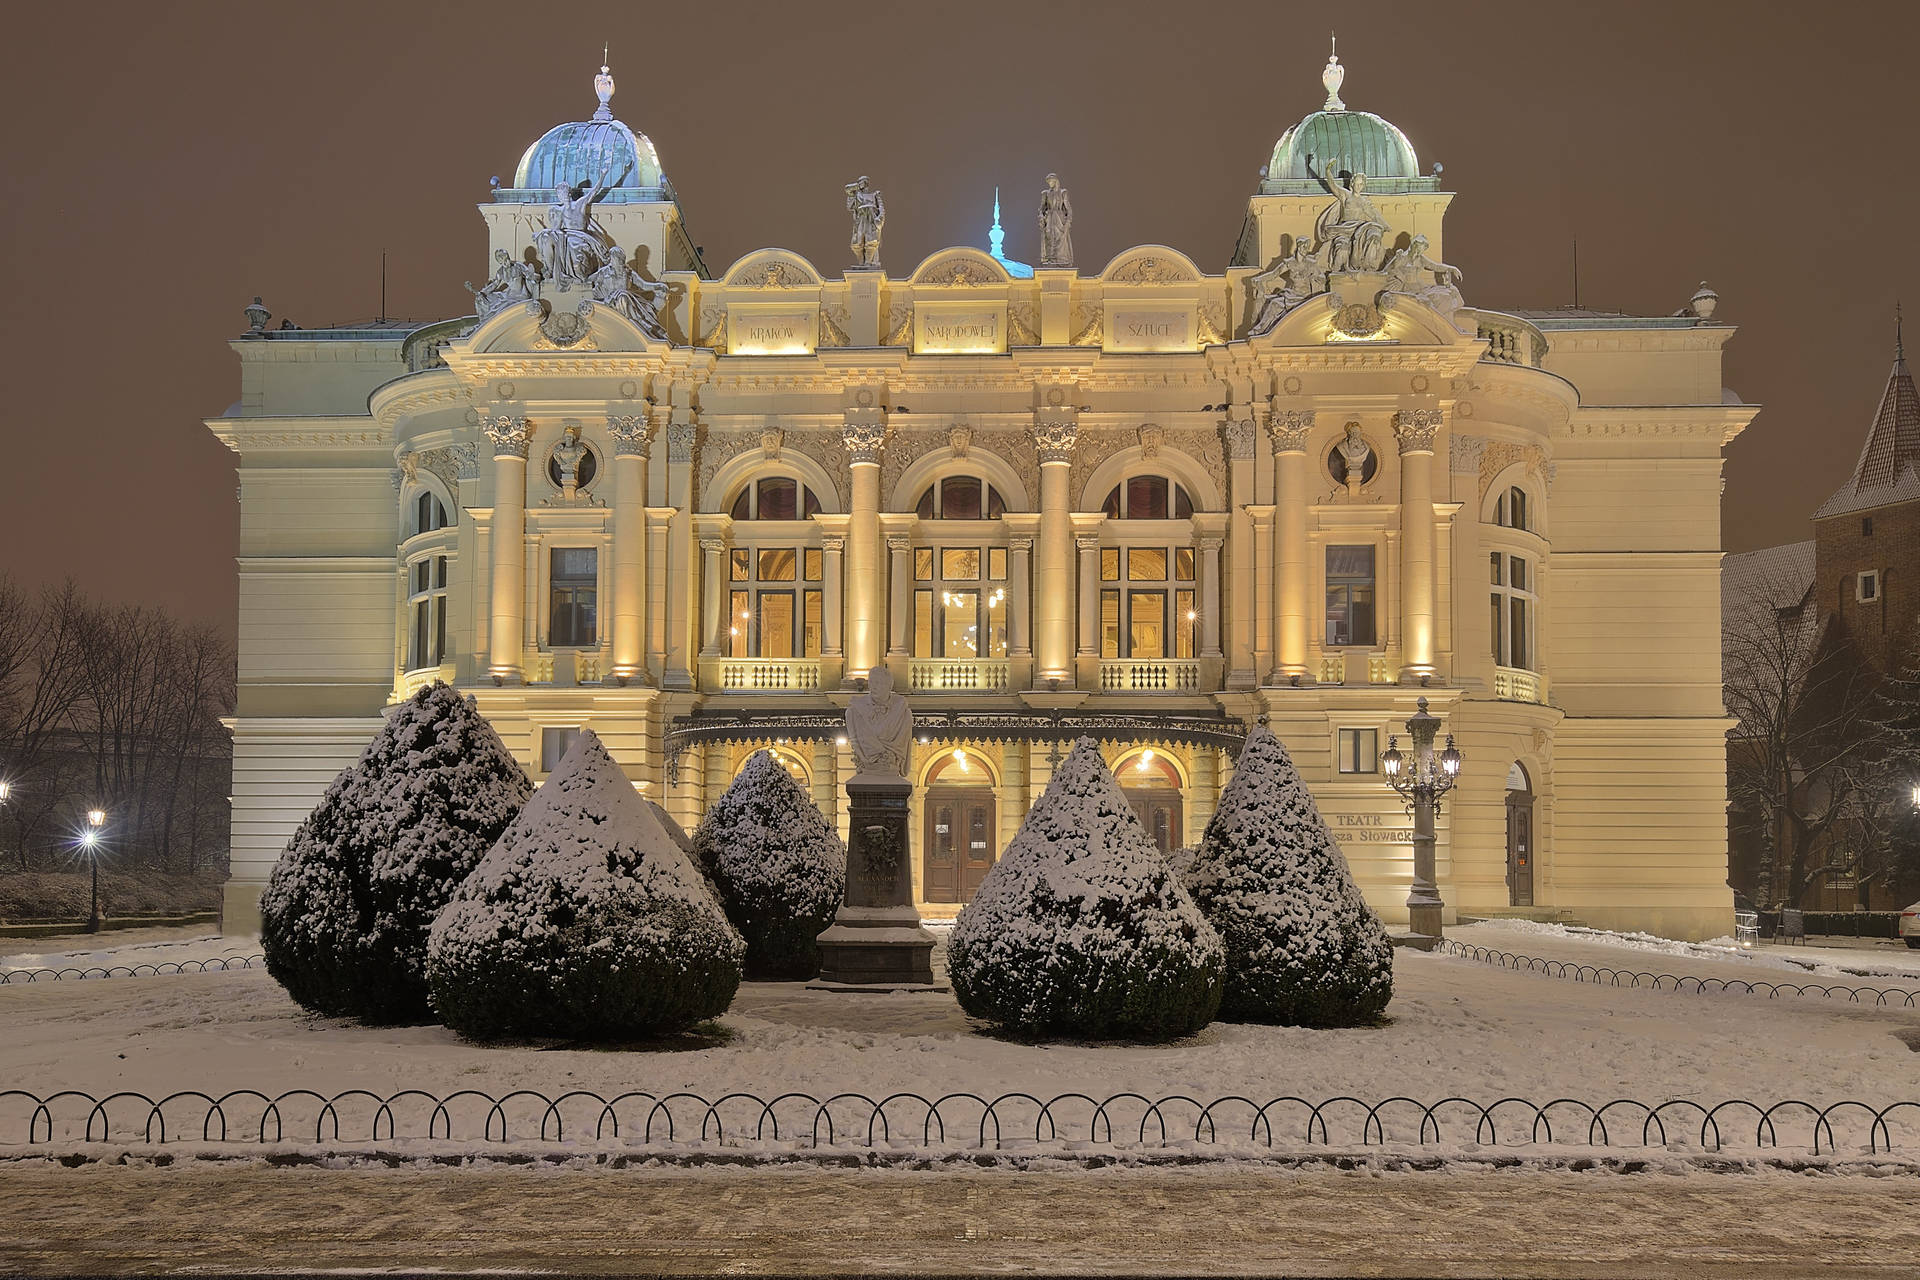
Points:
(1874, 966)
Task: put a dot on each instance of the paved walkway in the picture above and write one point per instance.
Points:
(1652, 1226)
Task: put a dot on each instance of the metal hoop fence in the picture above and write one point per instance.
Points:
(1887, 997)
(166, 968)
(1073, 1123)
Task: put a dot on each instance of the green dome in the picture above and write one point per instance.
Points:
(588, 151)
(1355, 141)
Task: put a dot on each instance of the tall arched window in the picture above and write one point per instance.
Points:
(961, 498)
(429, 513)
(775, 498)
(1148, 498)
(1511, 510)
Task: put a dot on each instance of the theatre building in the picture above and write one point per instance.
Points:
(1152, 501)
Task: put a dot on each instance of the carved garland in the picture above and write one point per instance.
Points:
(1498, 455)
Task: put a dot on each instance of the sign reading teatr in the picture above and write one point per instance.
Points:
(1368, 828)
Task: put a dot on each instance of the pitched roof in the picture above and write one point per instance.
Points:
(1889, 467)
(1772, 577)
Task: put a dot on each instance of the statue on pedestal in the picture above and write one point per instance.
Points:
(1056, 224)
(869, 218)
(880, 729)
(572, 246)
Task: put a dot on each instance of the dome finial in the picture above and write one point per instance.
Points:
(603, 85)
(1333, 76)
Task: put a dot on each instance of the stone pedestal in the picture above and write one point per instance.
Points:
(876, 941)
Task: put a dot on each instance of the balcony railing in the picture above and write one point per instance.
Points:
(1511, 340)
(767, 675)
(1149, 675)
(959, 675)
(1514, 685)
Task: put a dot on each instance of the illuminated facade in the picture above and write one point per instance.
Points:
(1145, 502)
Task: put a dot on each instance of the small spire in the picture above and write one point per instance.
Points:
(1899, 336)
(603, 85)
(1332, 76)
(996, 237)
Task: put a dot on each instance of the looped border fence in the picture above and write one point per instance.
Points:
(166, 968)
(1071, 1122)
(1602, 975)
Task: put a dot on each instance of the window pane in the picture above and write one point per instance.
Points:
(776, 624)
(741, 561)
(1109, 624)
(1350, 563)
(997, 623)
(440, 571)
(960, 564)
(743, 505)
(1363, 615)
(923, 564)
(997, 564)
(1147, 624)
(996, 505)
(439, 654)
(1359, 750)
(1494, 563)
(739, 625)
(585, 617)
(1517, 500)
(1183, 564)
(1147, 498)
(1110, 564)
(778, 564)
(960, 498)
(1182, 504)
(1517, 573)
(812, 507)
(811, 559)
(813, 625)
(1517, 632)
(1339, 616)
(416, 657)
(960, 624)
(553, 746)
(779, 498)
(419, 577)
(1111, 507)
(1499, 655)
(1184, 618)
(923, 624)
(1147, 564)
(925, 509)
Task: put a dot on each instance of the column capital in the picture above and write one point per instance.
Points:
(864, 436)
(1289, 429)
(632, 434)
(681, 437)
(1210, 542)
(1055, 438)
(833, 543)
(509, 433)
(1240, 433)
(1020, 543)
(1086, 542)
(1416, 428)
(712, 545)
(899, 543)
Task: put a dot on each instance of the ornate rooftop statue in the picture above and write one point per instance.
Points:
(621, 287)
(512, 282)
(1350, 229)
(880, 728)
(1056, 224)
(869, 217)
(1413, 274)
(572, 246)
(1287, 283)
(257, 316)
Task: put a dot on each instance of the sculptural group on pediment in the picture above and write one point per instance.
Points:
(619, 286)
(512, 281)
(1412, 274)
(572, 246)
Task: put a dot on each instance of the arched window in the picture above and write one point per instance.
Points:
(429, 513)
(1511, 510)
(961, 498)
(775, 498)
(1148, 498)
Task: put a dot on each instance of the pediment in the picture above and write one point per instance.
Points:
(558, 325)
(959, 268)
(1151, 264)
(772, 269)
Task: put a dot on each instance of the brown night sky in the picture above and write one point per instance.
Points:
(164, 163)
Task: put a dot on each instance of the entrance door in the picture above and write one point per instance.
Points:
(1519, 839)
(960, 842)
(1159, 812)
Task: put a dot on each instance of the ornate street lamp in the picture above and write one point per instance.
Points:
(90, 841)
(1421, 781)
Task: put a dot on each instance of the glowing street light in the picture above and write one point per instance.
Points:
(1422, 780)
(90, 841)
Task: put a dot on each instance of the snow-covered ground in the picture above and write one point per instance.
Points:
(173, 945)
(1864, 963)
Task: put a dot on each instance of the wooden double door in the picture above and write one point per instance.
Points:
(962, 839)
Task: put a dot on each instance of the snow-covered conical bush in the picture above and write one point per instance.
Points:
(1081, 928)
(585, 920)
(1303, 947)
(344, 918)
(780, 869)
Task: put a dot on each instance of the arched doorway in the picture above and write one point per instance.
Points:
(961, 835)
(1152, 787)
(1519, 837)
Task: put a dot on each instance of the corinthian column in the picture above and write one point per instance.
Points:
(1289, 430)
(510, 437)
(1053, 576)
(863, 435)
(632, 447)
(1415, 429)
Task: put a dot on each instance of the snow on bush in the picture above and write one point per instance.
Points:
(1303, 947)
(780, 869)
(586, 920)
(345, 914)
(1081, 928)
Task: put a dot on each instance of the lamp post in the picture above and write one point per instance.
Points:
(90, 841)
(1421, 781)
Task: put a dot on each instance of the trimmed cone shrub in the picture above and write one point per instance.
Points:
(584, 921)
(1303, 947)
(780, 869)
(344, 918)
(1081, 928)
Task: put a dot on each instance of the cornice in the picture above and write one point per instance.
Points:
(1720, 422)
(258, 435)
